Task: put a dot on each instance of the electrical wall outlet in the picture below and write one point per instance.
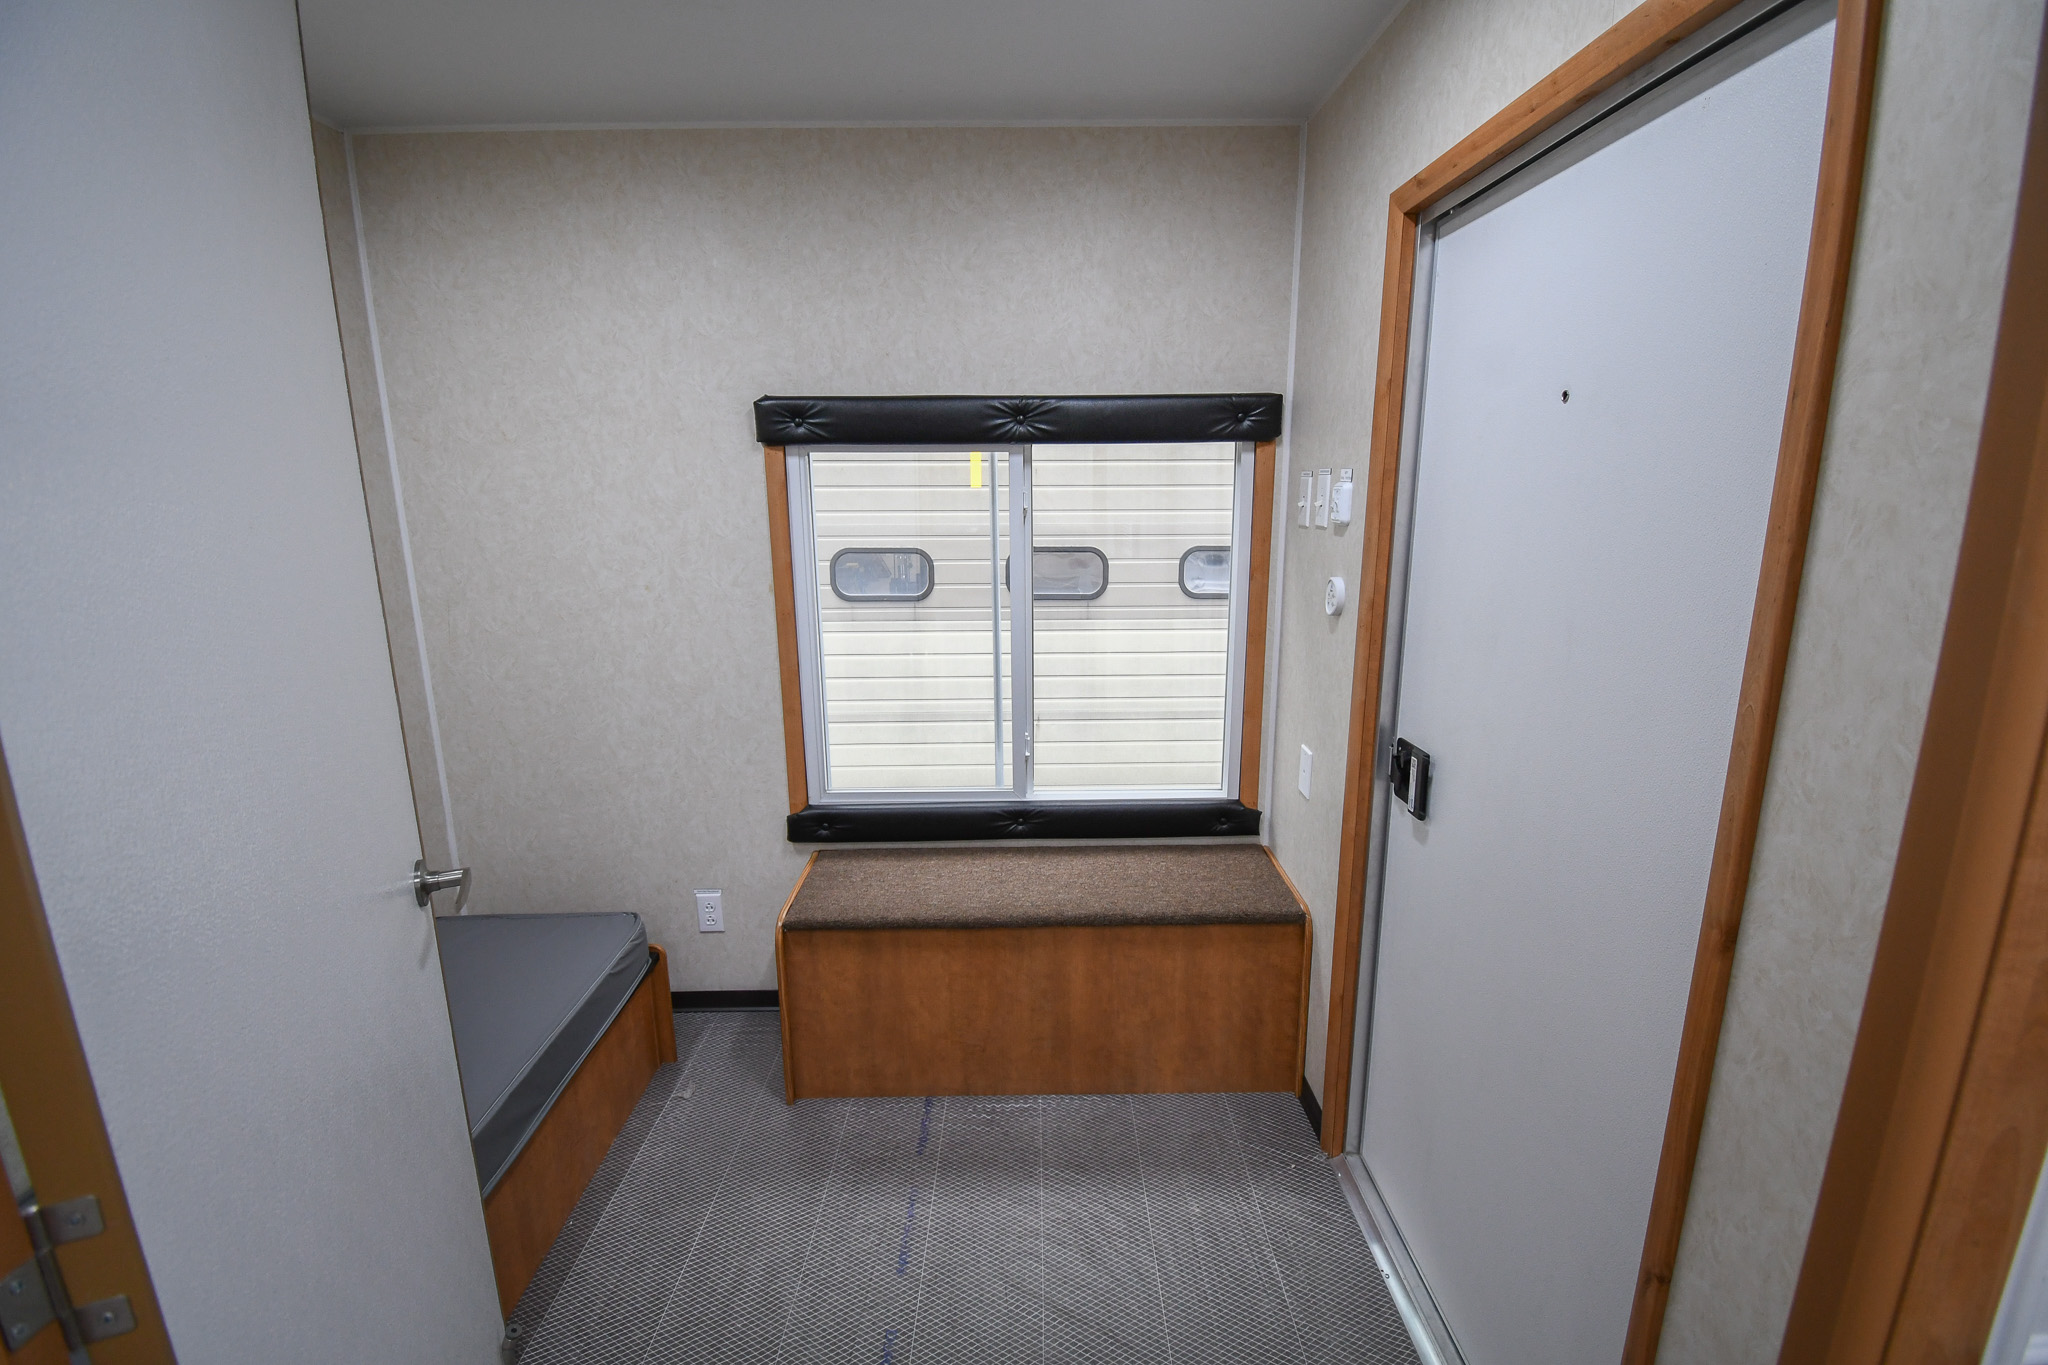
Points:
(711, 912)
(1308, 763)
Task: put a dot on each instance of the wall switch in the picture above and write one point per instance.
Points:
(711, 912)
(1322, 497)
(1308, 491)
(1308, 763)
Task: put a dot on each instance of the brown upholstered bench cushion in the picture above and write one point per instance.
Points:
(1024, 887)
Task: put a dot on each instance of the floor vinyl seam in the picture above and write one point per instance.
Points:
(628, 1161)
(1044, 1232)
(1266, 1232)
(796, 1290)
(1151, 1228)
(682, 1076)
(924, 1258)
(698, 1046)
(732, 1160)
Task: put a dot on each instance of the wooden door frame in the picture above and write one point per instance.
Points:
(56, 1111)
(1944, 1117)
(1640, 37)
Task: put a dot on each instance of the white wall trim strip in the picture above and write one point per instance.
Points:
(1283, 516)
(412, 587)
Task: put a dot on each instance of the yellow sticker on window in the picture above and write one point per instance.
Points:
(974, 469)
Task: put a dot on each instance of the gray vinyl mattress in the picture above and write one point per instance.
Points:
(528, 997)
(991, 888)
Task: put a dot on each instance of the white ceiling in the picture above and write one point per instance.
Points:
(446, 63)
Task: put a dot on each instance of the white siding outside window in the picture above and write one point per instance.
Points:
(1133, 689)
(911, 696)
(1132, 686)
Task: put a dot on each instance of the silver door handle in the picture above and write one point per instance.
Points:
(425, 884)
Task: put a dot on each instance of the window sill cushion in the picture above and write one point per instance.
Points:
(1027, 888)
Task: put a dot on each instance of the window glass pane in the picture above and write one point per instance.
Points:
(881, 575)
(1205, 571)
(912, 631)
(1131, 686)
(1065, 571)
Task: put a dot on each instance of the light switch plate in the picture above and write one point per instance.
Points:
(1308, 763)
(1340, 499)
(710, 912)
(1322, 507)
(1308, 488)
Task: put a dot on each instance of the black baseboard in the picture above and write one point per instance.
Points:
(1311, 1106)
(725, 1000)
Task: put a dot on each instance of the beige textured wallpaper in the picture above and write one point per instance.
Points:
(574, 327)
(1951, 108)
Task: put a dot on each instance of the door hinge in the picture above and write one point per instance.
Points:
(32, 1295)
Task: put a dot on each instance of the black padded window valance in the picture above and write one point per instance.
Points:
(1100, 419)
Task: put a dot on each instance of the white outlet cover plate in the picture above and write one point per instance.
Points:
(710, 912)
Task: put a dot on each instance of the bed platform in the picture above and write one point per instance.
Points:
(1042, 971)
(559, 1021)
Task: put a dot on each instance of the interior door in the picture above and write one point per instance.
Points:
(197, 703)
(1609, 348)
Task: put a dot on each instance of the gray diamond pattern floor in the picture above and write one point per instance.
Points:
(727, 1226)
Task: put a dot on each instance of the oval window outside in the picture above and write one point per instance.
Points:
(1205, 571)
(885, 575)
(1069, 573)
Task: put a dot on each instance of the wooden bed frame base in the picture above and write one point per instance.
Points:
(526, 1210)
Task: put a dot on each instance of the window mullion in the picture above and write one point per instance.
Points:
(1022, 607)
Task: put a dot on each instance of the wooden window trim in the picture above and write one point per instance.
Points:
(1261, 551)
(776, 469)
(1944, 1117)
(1637, 39)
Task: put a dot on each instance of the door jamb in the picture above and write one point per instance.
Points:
(1636, 40)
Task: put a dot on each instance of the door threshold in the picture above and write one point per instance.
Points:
(1426, 1326)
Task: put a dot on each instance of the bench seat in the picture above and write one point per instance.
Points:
(1042, 971)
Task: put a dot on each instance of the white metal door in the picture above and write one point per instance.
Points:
(197, 703)
(1609, 347)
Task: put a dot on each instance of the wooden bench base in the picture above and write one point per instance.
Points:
(530, 1203)
(1062, 1009)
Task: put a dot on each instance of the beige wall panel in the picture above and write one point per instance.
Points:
(574, 328)
(1950, 116)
